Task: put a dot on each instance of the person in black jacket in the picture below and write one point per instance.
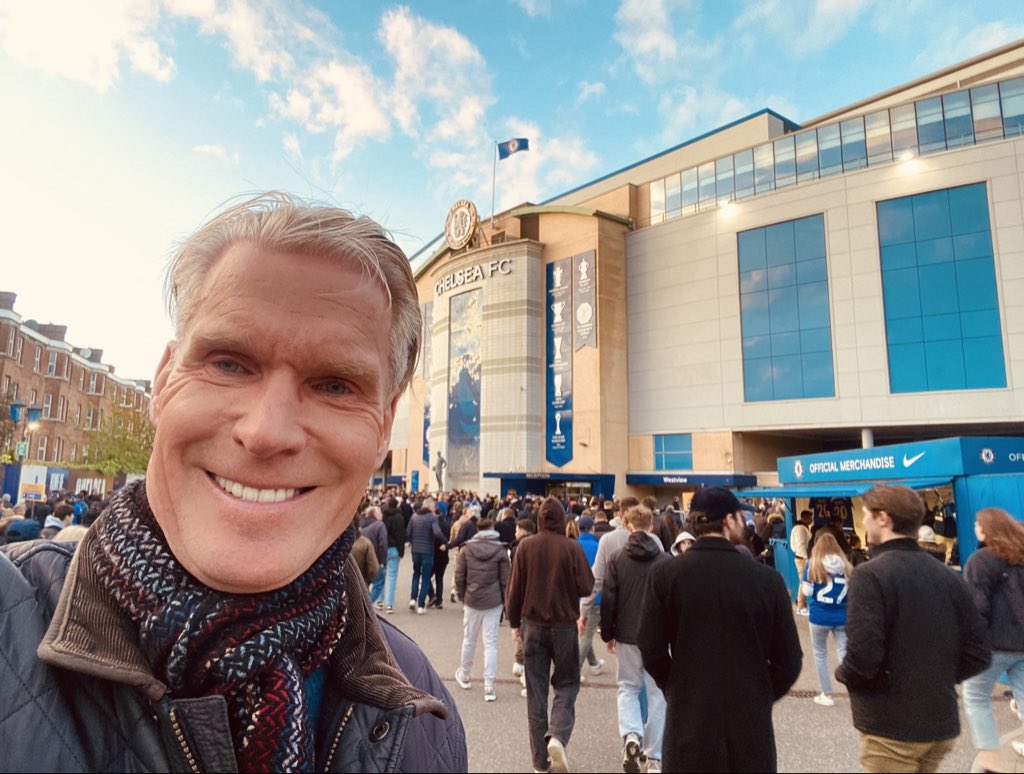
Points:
(718, 636)
(913, 633)
(622, 603)
(394, 521)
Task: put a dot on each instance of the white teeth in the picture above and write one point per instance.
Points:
(253, 495)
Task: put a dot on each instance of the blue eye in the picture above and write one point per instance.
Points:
(228, 366)
(334, 387)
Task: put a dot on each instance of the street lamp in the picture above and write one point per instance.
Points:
(30, 420)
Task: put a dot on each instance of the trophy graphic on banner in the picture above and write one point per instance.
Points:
(557, 308)
(584, 268)
(558, 348)
(557, 276)
(558, 384)
(558, 423)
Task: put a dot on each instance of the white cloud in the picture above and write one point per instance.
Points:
(588, 90)
(291, 144)
(657, 51)
(85, 42)
(954, 44)
(535, 7)
(687, 112)
(807, 26)
(219, 151)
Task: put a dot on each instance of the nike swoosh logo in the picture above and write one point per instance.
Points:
(908, 461)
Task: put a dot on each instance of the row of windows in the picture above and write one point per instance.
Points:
(940, 299)
(45, 451)
(967, 117)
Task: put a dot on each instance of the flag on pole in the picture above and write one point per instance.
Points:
(506, 149)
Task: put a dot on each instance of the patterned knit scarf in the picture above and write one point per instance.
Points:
(253, 649)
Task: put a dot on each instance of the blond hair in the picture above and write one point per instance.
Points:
(825, 544)
(640, 518)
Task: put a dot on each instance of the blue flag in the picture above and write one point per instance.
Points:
(506, 149)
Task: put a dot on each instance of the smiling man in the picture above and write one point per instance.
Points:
(211, 619)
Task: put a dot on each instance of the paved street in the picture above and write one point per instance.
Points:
(810, 738)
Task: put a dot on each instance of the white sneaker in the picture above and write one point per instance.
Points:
(523, 693)
(412, 604)
(632, 746)
(462, 678)
(556, 753)
(421, 611)
(824, 700)
(597, 668)
(583, 678)
(489, 694)
(653, 766)
(517, 668)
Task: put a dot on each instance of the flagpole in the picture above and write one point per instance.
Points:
(494, 172)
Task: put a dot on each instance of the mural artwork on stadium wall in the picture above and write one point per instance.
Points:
(464, 340)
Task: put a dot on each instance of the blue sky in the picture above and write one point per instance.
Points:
(127, 122)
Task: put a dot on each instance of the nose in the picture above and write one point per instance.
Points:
(269, 422)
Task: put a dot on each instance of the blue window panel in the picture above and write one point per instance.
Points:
(907, 368)
(908, 330)
(819, 381)
(902, 256)
(779, 244)
(855, 151)
(901, 294)
(754, 314)
(956, 109)
(673, 461)
(941, 327)
(809, 236)
(931, 134)
(935, 251)
(896, 221)
(787, 378)
(935, 282)
(1011, 98)
(782, 276)
(816, 340)
(968, 208)
(757, 346)
(752, 249)
(830, 153)
(981, 323)
(753, 281)
(976, 284)
(677, 442)
(785, 344)
(814, 305)
(782, 307)
(757, 379)
(811, 271)
(977, 245)
(931, 216)
(944, 363)
(983, 359)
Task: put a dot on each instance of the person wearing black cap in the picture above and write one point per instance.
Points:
(718, 636)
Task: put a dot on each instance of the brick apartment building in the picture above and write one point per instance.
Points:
(75, 390)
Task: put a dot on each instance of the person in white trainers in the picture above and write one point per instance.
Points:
(481, 576)
(824, 585)
(799, 537)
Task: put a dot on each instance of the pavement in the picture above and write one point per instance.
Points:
(809, 738)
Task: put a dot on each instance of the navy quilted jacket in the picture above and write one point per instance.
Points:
(92, 724)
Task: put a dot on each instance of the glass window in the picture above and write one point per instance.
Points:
(764, 169)
(807, 156)
(941, 306)
(785, 162)
(51, 364)
(673, 201)
(673, 452)
(657, 212)
(903, 120)
(689, 190)
(855, 153)
(931, 135)
(1011, 98)
(706, 185)
(744, 170)
(784, 311)
(879, 140)
(830, 155)
(956, 112)
(723, 179)
(988, 121)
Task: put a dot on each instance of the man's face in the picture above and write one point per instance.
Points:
(271, 413)
(872, 527)
(734, 527)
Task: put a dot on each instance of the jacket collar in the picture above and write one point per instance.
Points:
(713, 543)
(896, 544)
(90, 634)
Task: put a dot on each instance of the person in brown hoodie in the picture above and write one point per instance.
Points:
(549, 575)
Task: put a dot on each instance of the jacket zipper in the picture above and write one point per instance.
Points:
(183, 742)
(337, 736)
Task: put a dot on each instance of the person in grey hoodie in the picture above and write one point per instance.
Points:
(481, 575)
(372, 528)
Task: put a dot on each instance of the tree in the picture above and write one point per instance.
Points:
(7, 428)
(122, 446)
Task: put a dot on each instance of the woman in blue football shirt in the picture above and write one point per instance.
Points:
(824, 585)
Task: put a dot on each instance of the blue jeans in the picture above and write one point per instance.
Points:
(422, 568)
(633, 682)
(587, 638)
(819, 643)
(377, 587)
(543, 649)
(393, 561)
(978, 696)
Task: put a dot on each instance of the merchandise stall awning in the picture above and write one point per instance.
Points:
(838, 489)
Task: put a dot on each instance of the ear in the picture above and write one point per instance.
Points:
(385, 436)
(163, 371)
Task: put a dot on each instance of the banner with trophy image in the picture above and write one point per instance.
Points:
(558, 300)
(584, 300)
